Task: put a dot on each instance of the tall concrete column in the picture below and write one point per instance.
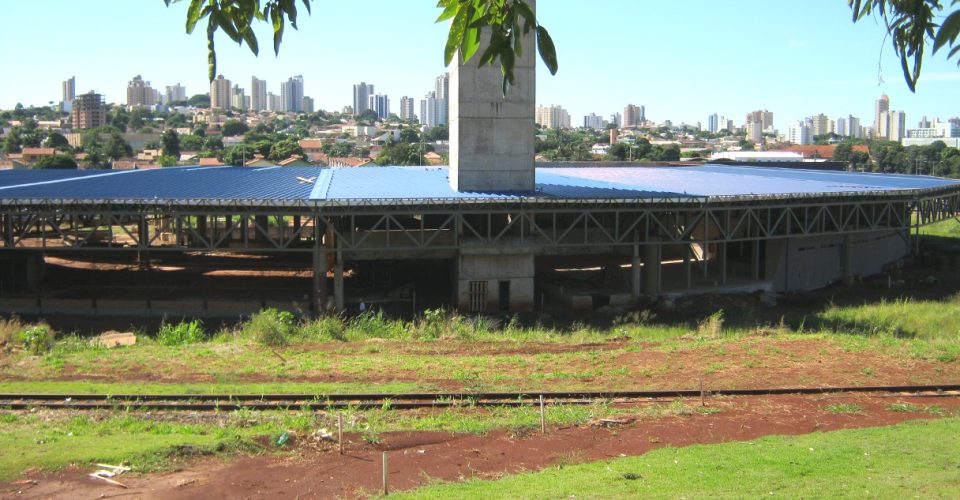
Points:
(338, 296)
(635, 277)
(491, 144)
(687, 267)
(651, 267)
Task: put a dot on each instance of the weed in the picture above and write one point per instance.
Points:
(843, 408)
(715, 367)
(37, 339)
(868, 372)
(271, 327)
(712, 326)
(903, 408)
(708, 410)
(185, 332)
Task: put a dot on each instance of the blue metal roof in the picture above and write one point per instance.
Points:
(346, 185)
(178, 183)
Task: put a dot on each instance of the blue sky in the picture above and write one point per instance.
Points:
(682, 59)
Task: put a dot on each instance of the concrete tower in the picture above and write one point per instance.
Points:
(491, 135)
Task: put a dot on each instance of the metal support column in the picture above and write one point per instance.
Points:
(687, 267)
(8, 231)
(755, 261)
(635, 284)
(651, 267)
(262, 222)
(846, 259)
(143, 242)
(319, 305)
(722, 261)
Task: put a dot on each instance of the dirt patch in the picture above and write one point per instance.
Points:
(419, 458)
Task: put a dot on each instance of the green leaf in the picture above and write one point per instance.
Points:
(224, 23)
(457, 30)
(548, 51)
(470, 44)
(194, 14)
(948, 31)
(451, 10)
(211, 51)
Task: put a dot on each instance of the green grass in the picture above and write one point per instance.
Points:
(83, 387)
(148, 445)
(925, 319)
(915, 459)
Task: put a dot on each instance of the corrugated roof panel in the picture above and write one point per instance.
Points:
(360, 183)
(180, 183)
(431, 183)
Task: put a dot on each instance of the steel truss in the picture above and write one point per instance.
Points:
(409, 229)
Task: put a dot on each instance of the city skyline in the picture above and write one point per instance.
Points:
(799, 62)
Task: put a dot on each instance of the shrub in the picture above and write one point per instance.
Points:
(325, 328)
(373, 324)
(271, 327)
(10, 330)
(185, 332)
(37, 339)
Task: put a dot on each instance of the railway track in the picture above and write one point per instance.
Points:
(407, 401)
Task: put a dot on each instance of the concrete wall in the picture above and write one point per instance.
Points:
(814, 262)
(491, 136)
(492, 269)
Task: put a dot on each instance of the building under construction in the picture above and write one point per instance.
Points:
(491, 232)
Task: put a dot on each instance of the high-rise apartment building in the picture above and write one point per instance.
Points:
(274, 102)
(68, 91)
(361, 97)
(799, 133)
(634, 116)
(175, 93)
(258, 94)
(593, 121)
(380, 104)
(896, 125)
(713, 123)
(552, 117)
(291, 92)
(819, 124)
(89, 111)
(881, 119)
(238, 98)
(140, 93)
(220, 93)
(761, 116)
(433, 111)
(443, 94)
(307, 104)
(755, 131)
(406, 109)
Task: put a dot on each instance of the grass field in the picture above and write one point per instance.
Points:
(915, 459)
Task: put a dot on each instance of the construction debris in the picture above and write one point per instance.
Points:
(113, 339)
(109, 471)
(323, 435)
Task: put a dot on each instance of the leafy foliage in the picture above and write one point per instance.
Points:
(506, 21)
(185, 332)
(65, 162)
(911, 25)
(236, 18)
(37, 339)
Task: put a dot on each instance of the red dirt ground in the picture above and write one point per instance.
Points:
(316, 470)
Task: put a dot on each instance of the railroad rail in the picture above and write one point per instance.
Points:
(407, 401)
